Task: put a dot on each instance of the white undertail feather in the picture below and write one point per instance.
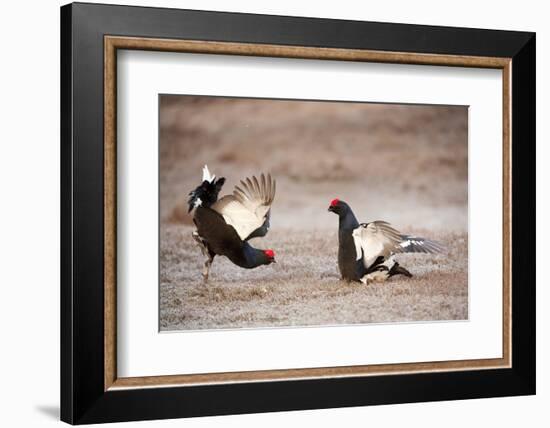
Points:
(206, 176)
(377, 276)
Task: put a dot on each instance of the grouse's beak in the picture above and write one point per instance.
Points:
(331, 208)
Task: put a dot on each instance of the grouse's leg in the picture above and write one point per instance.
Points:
(399, 270)
(376, 274)
(206, 252)
(200, 242)
(207, 265)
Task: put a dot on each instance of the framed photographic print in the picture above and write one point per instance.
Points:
(265, 213)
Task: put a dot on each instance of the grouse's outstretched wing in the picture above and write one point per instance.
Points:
(248, 208)
(373, 240)
(378, 238)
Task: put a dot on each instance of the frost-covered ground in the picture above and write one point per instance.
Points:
(303, 287)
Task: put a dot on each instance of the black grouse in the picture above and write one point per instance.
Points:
(365, 250)
(224, 226)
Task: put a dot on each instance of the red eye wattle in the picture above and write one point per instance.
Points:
(334, 202)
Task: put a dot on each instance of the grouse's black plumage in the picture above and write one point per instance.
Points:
(206, 194)
(363, 248)
(350, 268)
(222, 239)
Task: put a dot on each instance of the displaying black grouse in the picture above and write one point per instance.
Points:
(365, 250)
(224, 226)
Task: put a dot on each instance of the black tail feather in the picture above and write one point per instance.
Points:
(206, 194)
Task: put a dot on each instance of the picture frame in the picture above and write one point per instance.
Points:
(91, 391)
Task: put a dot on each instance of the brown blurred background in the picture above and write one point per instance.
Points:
(405, 164)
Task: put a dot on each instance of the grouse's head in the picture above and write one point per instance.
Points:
(338, 207)
(270, 256)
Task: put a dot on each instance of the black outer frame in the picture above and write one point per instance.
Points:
(83, 399)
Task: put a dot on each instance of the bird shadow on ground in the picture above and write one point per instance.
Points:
(51, 411)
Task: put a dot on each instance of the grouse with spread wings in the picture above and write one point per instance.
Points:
(224, 226)
(366, 250)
